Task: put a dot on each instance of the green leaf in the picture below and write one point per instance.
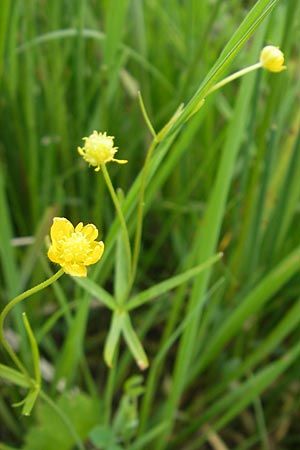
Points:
(236, 400)
(147, 437)
(71, 352)
(13, 376)
(30, 400)
(96, 291)
(113, 337)
(134, 343)
(115, 20)
(170, 283)
(126, 419)
(102, 436)
(257, 14)
(7, 251)
(4, 20)
(51, 433)
(7, 447)
(255, 300)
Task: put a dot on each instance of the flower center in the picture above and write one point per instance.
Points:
(75, 247)
(99, 148)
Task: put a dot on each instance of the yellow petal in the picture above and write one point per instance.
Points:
(79, 226)
(75, 270)
(98, 249)
(90, 231)
(120, 161)
(53, 255)
(61, 227)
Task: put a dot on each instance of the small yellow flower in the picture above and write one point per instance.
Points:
(74, 249)
(272, 58)
(99, 149)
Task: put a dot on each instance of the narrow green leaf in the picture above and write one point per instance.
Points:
(100, 37)
(113, 337)
(4, 18)
(255, 385)
(170, 283)
(257, 14)
(115, 19)
(134, 343)
(251, 304)
(243, 395)
(7, 252)
(71, 352)
(96, 291)
(147, 437)
(30, 400)
(13, 376)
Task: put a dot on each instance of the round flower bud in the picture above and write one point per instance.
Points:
(272, 59)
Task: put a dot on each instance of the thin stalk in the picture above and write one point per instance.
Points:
(119, 211)
(234, 76)
(10, 305)
(140, 208)
(145, 115)
(34, 350)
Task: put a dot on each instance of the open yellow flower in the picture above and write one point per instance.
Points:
(74, 248)
(272, 58)
(99, 148)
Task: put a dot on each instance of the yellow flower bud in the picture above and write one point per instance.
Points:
(74, 249)
(99, 148)
(272, 58)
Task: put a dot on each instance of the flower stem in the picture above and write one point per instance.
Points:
(234, 76)
(156, 139)
(10, 305)
(139, 226)
(145, 115)
(119, 211)
(34, 350)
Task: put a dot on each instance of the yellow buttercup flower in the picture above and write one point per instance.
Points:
(99, 148)
(74, 248)
(271, 58)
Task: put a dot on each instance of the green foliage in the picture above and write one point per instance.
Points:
(125, 422)
(51, 432)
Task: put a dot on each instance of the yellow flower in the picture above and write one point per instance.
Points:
(74, 249)
(271, 58)
(99, 149)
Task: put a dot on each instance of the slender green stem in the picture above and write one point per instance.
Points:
(119, 211)
(10, 305)
(139, 225)
(34, 350)
(145, 115)
(64, 419)
(156, 139)
(234, 76)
